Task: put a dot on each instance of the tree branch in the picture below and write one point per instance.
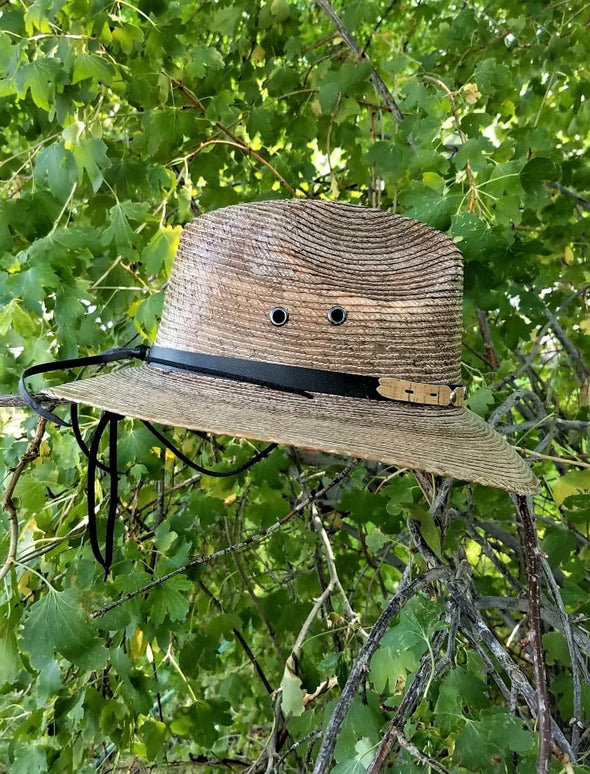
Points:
(408, 704)
(531, 553)
(375, 78)
(482, 633)
(252, 540)
(401, 597)
(31, 453)
(15, 401)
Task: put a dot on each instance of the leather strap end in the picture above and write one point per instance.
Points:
(421, 393)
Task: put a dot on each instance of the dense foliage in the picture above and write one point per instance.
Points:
(120, 121)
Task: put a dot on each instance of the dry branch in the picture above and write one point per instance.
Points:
(532, 567)
(30, 454)
(411, 699)
(361, 56)
(400, 598)
(240, 546)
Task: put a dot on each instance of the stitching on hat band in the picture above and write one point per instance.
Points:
(307, 380)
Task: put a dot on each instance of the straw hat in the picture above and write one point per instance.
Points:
(315, 324)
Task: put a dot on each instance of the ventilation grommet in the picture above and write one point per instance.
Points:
(337, 315)
(278, 316)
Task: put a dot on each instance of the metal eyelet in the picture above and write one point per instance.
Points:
(337, 315)
(278, 316)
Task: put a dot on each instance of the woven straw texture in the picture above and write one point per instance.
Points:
(401, 284)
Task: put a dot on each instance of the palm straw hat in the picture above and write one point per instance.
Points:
(314, 324)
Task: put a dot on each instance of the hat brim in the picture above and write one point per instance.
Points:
(451, 442)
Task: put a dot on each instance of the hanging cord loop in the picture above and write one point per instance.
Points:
(110, 421)
(205, 471)
(110, 356)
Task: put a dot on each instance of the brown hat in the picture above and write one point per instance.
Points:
(320, 325)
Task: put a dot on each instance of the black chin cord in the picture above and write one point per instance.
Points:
(110, 421)
(205, 471)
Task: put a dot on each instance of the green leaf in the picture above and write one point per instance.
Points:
(14, 317)
(32, 285)
(153, 734)
(148, 313)
(55, 167)
(161, 249)
(364, 506)
(481, 401)
(280, 10)
(429, 528)
(9, 657)
(536, 171)
(38, 77)
(291, 693)
(403, 645)
(201, 720)
(560, 544)
(388, 158)
(570, 483)
(349, 767)
(91, 158)
(31, 758)
(491, 76)
(205, 59)
(424, 204)
(170, 601)
(56, 623)
(481, 741)
(473, 151)
(328, 96)
(353, 74)
(37, 17)
(390, 665)
(462, 693)
(92, 66)
(119, 231)
(556, 649)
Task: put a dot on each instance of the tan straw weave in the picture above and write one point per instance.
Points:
(400, 283)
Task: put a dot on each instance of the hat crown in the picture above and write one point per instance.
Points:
(399, 281)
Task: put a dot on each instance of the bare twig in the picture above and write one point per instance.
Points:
(408, 704)
(421, 756)
(561, 424)
(566, 627)
(580, 200)
(360, 55)
(240, 638)
(233, 139)
(517, 398)
(540, 335)
(468, 169)
(573, 352)
(241, 146)
(484, 328)
(15, 401)
(483, 634)
(250, 589)
(335, 582)
(31, 453)
(252, 540)
(532, 566)
(401, 597)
